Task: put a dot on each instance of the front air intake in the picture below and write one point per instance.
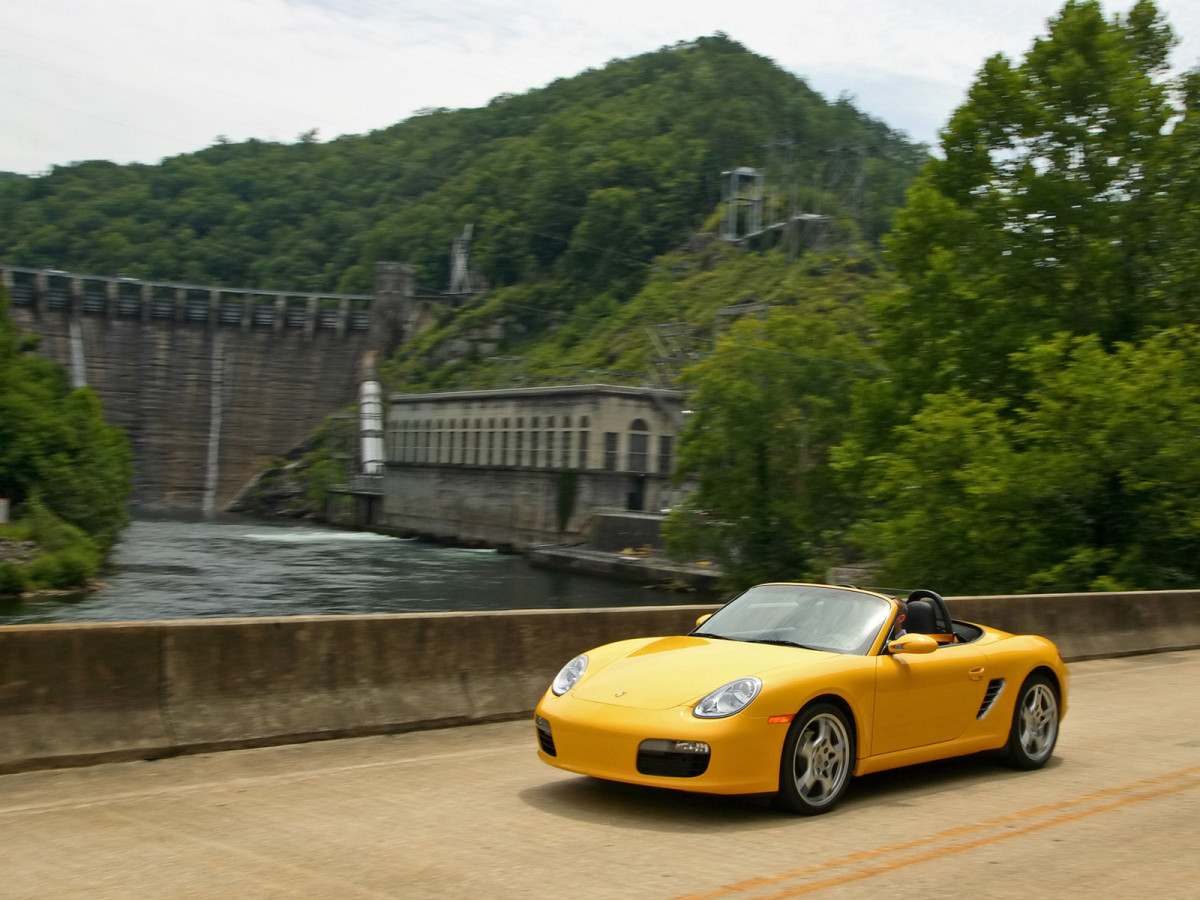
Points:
(673, 759)
(545, 737)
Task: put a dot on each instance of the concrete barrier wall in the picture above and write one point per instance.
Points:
(72, 695)
(1091, 626)
(91, 693)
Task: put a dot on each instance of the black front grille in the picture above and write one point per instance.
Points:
(545, 737)
(656, 758)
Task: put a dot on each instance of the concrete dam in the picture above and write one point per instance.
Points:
(210, 382)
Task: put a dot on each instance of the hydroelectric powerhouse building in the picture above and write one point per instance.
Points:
(526, 466)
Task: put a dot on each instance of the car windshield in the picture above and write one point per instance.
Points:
(819, 618)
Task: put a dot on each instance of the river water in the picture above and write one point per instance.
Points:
(180, 567)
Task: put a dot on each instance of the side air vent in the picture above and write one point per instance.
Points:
(994, 689)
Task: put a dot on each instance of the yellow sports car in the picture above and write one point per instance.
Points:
(791, 689)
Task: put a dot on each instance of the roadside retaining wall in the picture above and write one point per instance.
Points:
(1091, 626)
(73, 695)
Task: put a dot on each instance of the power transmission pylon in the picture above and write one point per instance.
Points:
(460, 257)
(742, 192)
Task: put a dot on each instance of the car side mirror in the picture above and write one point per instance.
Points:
(912, 643)
(704, 618)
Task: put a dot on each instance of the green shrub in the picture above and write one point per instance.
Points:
(64, 568)
(13, 578)
(50, 531)
(66, 556)
(17, 531)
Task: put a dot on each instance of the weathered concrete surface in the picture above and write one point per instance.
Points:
(499, 505)
(208, 383)
(650, 569)
(613, 532)
(471, 812)
(80, 694)
(76, 694)
(1088, 626)
(70, 694)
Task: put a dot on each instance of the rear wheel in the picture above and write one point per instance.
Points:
(1035, 724)
(818, 757)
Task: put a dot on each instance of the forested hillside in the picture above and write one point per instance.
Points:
(577, 185)
(589, 200)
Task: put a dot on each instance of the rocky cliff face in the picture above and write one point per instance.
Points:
(280, 491)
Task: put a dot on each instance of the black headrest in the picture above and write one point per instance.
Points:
(921, 618)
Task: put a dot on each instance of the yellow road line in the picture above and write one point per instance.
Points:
(1180, 780)
(979, 842)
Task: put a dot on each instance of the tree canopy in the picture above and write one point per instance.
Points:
(1050, 210)
(1043, 368)
(1026, 417)
(1091, 482)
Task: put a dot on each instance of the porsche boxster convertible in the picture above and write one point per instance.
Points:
(792, 689)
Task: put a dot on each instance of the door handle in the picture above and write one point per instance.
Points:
(976, 673)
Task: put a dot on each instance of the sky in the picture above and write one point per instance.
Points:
(141, 80)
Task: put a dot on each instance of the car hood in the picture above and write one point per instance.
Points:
(677, 671)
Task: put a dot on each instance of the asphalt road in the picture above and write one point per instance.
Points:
(471, 812)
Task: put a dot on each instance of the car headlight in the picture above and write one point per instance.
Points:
(728, 699)
(568, 675)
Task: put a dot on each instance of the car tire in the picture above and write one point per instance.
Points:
(818, 760)
(1035, 721)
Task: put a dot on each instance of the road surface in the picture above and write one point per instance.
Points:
(471, 812)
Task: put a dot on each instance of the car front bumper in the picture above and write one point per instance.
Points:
(603, 740)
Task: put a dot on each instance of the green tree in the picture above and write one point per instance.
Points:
(66, 472)
(608, 250)
(770, 402)
(1040, 385)
(1091, 482)
(1046, 212)
(1177, 264)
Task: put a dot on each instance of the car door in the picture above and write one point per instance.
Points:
(926, 698)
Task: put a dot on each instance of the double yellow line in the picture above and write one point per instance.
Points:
(882, 860)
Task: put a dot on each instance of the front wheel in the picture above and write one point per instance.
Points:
(1035, 724)
(818, 757)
